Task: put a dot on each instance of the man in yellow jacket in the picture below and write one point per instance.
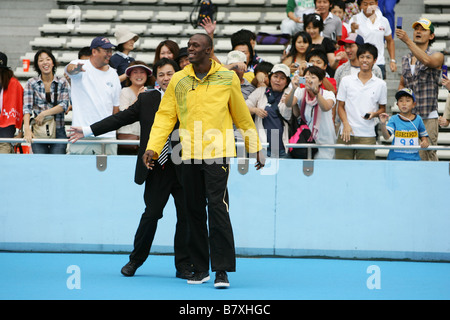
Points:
(206, 99)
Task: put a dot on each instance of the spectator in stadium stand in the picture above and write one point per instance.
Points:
(11, 111)
(265, 103)
(139, 79)
(245, 47)
(351, 44)
(332, 25)
(183, 59)
(46, 96)
(351, 8)
(361, 98)
(166, 49)
(234, 58)
(295, 10)
(121, 59)
(374, 28)
(262, 72)
(314, 26)
(84, 53)
(297, 51)
(421, 72)
(387, 8)
(318, 104)
(95, 93)
(245, 35)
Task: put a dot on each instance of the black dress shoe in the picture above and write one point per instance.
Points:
(130, 268)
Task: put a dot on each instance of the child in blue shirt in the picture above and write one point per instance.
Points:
(408, 128)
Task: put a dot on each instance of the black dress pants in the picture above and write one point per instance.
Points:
(205, 185)
(160, 184)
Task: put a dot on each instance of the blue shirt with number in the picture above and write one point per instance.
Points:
(406, 133)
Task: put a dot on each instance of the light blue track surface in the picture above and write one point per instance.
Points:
(43, 276)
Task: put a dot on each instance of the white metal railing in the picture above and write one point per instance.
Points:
(238, 144)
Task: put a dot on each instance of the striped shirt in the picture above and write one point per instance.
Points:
(424, 82)
(34, 97)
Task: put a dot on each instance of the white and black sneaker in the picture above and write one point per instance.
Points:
(199, 277)
(221, 280)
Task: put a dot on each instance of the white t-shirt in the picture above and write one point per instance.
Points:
(327, 132)
(359, 99)
(374, 33)
(94, 93)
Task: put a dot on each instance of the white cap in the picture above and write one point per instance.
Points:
(236, 56)
(281, 67)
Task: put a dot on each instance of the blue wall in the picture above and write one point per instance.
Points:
(346, 209)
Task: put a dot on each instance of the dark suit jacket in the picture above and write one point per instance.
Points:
(143, 110)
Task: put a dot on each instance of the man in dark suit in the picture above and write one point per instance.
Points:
(159, 183)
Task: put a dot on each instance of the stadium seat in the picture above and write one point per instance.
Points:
(150, 43)
(228, 30)
(48, 42)
(29, 56)
(250, 2)
(135, 15)
(106, 1)
(170, 16)
(106, 15)
(222, 2)
(54, 28)
(178, 1)
(94, 29)
(79, 42)
(272, 58)
(439, 46)
(438, 18)
(66, 57)
(223, 45)
(139, 29)
(66, 2)
(165, 29)
(442, 32)
(131, 2)
(269, 29)
(145, 57)
(277, 3)
(274, 17)
(244, 17)
(59, 14)
(189, 31)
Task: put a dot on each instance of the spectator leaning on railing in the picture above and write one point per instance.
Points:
(95, 93)
(46, 97)
(11, 95)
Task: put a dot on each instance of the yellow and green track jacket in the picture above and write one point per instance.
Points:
(206, 110)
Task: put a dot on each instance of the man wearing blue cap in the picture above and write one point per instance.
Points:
(408, 128)
(95, 93)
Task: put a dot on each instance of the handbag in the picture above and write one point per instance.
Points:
(303, 134)
(46, 130)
